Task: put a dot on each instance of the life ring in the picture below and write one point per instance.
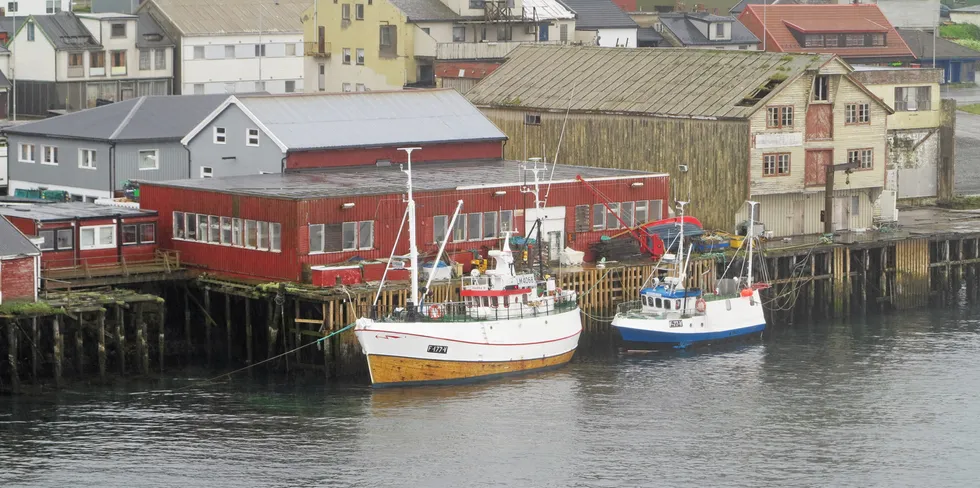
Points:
(435, 312)
(700, 305)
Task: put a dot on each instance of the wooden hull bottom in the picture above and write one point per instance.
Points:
(389, 371)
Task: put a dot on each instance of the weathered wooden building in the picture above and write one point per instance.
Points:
(727, 125)
(279, 226)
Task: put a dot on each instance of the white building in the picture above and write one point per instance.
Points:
(259, 48)
(35, 7)
(67, 61)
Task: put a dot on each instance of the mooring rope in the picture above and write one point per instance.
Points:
(273, 358)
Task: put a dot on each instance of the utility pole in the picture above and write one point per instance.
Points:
(828, 206)
(13, 72)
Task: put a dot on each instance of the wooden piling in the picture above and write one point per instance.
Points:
(141, 340)
(187, 322)
(248, 334)
(270, 325)
(100, 324)
(161, 323)
(121, 339)
(207, 323)
(228, 327)
(59, 348)
(79, 346)
(12, 354)
(35, 340)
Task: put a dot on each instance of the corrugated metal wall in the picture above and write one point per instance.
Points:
(799, 213)
(66, 172)
(715, 152)
(172, 162)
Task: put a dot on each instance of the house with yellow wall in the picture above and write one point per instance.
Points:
(914, 136)
(358, 45)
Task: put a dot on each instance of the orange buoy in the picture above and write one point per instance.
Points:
(746, 292)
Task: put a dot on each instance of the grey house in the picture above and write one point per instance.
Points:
(705, 31)
(92, 153)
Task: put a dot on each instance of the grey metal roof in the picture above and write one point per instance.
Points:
(56, 212)
(65, 31)
(648, 34)
(598, 14)
(647, 81)
(7, 24)
(13, 242)
(224, 17)
(682, 26)
(149, 34)
(920, 42)
(384, 180)
(425, 10)
(168, 117)
(336, 120)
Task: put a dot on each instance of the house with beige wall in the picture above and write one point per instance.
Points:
(732, 125)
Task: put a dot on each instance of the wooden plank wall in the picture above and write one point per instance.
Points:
(947, 151)
(715, 152)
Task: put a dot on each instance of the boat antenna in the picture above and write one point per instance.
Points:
(561, 136)
(413, 250)
(681, 271)
(751, 237)
(538, 203)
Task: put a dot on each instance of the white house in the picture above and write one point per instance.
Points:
(260, 48)
(35, 7)
(66, 62)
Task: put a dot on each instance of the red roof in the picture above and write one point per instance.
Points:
(782, 20)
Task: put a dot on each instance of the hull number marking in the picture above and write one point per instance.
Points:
(438, 349)
(676, 323)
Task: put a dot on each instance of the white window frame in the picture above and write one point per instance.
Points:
(225, 226)
(275, 237)
(249, 137)
(20, 153)
(436, 228)
(92, 158)
(236, 233)
(178, 223)
(207, 172)
(44, 155)
(255, 224)
(97, 237)
(220, 135)
(509, 220)
(156, 159)
(319, 249)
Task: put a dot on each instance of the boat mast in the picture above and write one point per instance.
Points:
(538, 205)
(749, 235)
(680, 247)
(413, 250)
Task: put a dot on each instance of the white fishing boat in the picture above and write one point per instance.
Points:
(507, 323)
(669, 315)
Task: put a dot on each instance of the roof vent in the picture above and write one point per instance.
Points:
(762, 91)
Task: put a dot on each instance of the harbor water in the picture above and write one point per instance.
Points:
(889, 401)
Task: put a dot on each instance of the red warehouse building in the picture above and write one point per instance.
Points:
(76, 235)
(19, 263)
(277, 226)
(250, 134)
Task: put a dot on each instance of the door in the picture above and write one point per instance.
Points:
(819, 122)
(320, 43)
(842, 213)
(552, 228)
(543, 32)
(321, 80)
(954, 71)
(816, 164)
(799, 217)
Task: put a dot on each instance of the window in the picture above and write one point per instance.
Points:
(226, 231)
(640, 212)
(489, 225)
(263, 232)
(86, 158)
(160, 58)
(719, 30)
(506, 221)
(831, 40)
(365, 234)
(236, 232)
(290, 49)
(148, 233)
(290, 86)
(598, 216)
(360, 56)
(251, 234)
(779, 117)
(214, 229)
(57, 239)
(877, 39)
(387, 40)
(854, 40)
(144, 60)
(360, 87)
(627, 213)
(97, 237)
(459, 229)
(656, 209)
(178, 226)
(202, 228)
(198, 52)
(813, 40)
(563, 33)
(252, 137)
(191, 226)
(821, 88)
(75, 60)
(359, 11)
(345, 11)
(349, 236)
(346, 87)
(440, 225)
(118, 62)
(775, 164)
(504, 32)
(12, 7)
(30, 31)
(316, 238)
(148, 159)
(612, 212)
(857, 113)
(118, 30)
(532, 119)
(864, 158)
(207, 172)
(49, 155)
(52, 6)
(27, 153)
(96, 60)
(346, 58)
(474, 226)
(911, 99)
(130, 235)
(855, 206)
(275, 237)
(260, 50)
(459, 33)
(219, 135)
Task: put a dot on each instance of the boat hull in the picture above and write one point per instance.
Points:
(416, 353)
(724, 320)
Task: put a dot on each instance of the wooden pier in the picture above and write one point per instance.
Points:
(99, 334)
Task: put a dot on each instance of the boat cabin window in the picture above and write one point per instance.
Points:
(506, 301)
(659, 304)
(677, 304)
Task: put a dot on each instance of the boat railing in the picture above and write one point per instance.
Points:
(462, 312)
(630, 306)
